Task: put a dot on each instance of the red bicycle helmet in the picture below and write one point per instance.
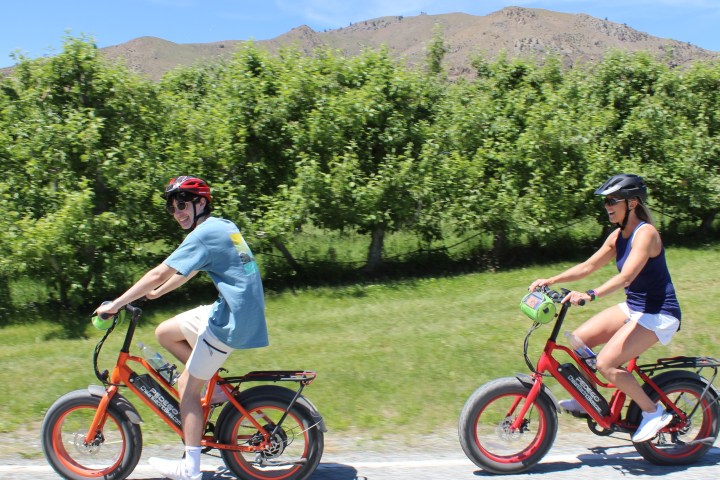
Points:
(185, 183)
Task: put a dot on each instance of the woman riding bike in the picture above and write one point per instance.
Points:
(651, 311)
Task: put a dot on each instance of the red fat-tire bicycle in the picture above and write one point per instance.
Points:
(508, 425)
(262, 432)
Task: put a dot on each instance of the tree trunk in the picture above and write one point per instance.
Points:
(5, 300)
(499, 249)
(375, 252)
(277, 243)
(706, 225)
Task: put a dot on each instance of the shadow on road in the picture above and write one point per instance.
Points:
(325, 471)
(335, 471)
(619, 458)
(631, 463)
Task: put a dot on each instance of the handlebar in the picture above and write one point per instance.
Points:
(129, 307)
(556, 296)
(134, 313)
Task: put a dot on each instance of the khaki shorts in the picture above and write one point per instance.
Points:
(209, 353)
(663, 325)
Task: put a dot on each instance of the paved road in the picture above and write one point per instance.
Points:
(575, 455)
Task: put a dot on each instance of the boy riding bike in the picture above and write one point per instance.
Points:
(204, 337)
(651, 311)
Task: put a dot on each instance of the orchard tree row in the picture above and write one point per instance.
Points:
(362, 144)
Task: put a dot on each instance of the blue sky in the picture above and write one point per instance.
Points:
(38, 27)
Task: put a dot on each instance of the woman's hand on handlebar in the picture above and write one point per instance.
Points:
(576, 298)
(540, 282)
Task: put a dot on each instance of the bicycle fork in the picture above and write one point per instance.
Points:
(98, 422)
(529, 402)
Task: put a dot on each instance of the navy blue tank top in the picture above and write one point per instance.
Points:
(652, 291)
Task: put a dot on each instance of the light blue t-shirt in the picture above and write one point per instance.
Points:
(216, 246)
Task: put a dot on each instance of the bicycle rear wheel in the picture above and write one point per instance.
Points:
(296, 447)
(113, 453)
(485, 429)
(696, 437)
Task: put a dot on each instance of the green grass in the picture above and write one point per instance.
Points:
(396, 358)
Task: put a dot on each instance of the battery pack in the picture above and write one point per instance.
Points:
(585, 389)
(158, 396)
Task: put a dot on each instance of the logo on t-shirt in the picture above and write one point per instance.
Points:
(246, 255)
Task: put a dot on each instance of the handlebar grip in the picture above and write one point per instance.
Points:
(105, 316)
(581, 303)
(103, 321)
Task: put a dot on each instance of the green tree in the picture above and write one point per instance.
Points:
(684, 121)
(501, 131)
(237, 124)
(78, 161)
(436, 51)
(360, 165)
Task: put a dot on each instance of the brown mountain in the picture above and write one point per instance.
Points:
(524, 32)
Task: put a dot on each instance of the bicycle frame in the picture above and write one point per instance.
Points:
(163, 399)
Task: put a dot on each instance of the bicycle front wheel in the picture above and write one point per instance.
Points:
(296, 447)
(112, 454)
(487, 437)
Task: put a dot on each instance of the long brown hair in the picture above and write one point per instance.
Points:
(643, 212)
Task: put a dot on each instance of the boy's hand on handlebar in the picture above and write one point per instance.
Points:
(577, 298)
(106, 310)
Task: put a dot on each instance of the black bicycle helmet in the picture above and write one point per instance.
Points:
(625, 185)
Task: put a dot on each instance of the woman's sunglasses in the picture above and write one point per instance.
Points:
(610, 201)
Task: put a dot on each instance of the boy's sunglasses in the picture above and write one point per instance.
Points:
(610, 201)
(181, 205)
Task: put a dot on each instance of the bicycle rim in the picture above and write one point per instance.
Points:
(498, 441)
(295, 448)
(695, 438)
(95, 460)
(486, 432)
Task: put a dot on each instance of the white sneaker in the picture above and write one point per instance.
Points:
(651, 424)
(173, 469)
(571, 406)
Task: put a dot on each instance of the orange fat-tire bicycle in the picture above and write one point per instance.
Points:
(266, 431)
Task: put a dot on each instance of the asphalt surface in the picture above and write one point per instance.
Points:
(574, 455)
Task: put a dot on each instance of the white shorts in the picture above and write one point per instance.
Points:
(663, 325)
(209, 353)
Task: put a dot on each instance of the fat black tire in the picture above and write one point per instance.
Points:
(483, 427)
